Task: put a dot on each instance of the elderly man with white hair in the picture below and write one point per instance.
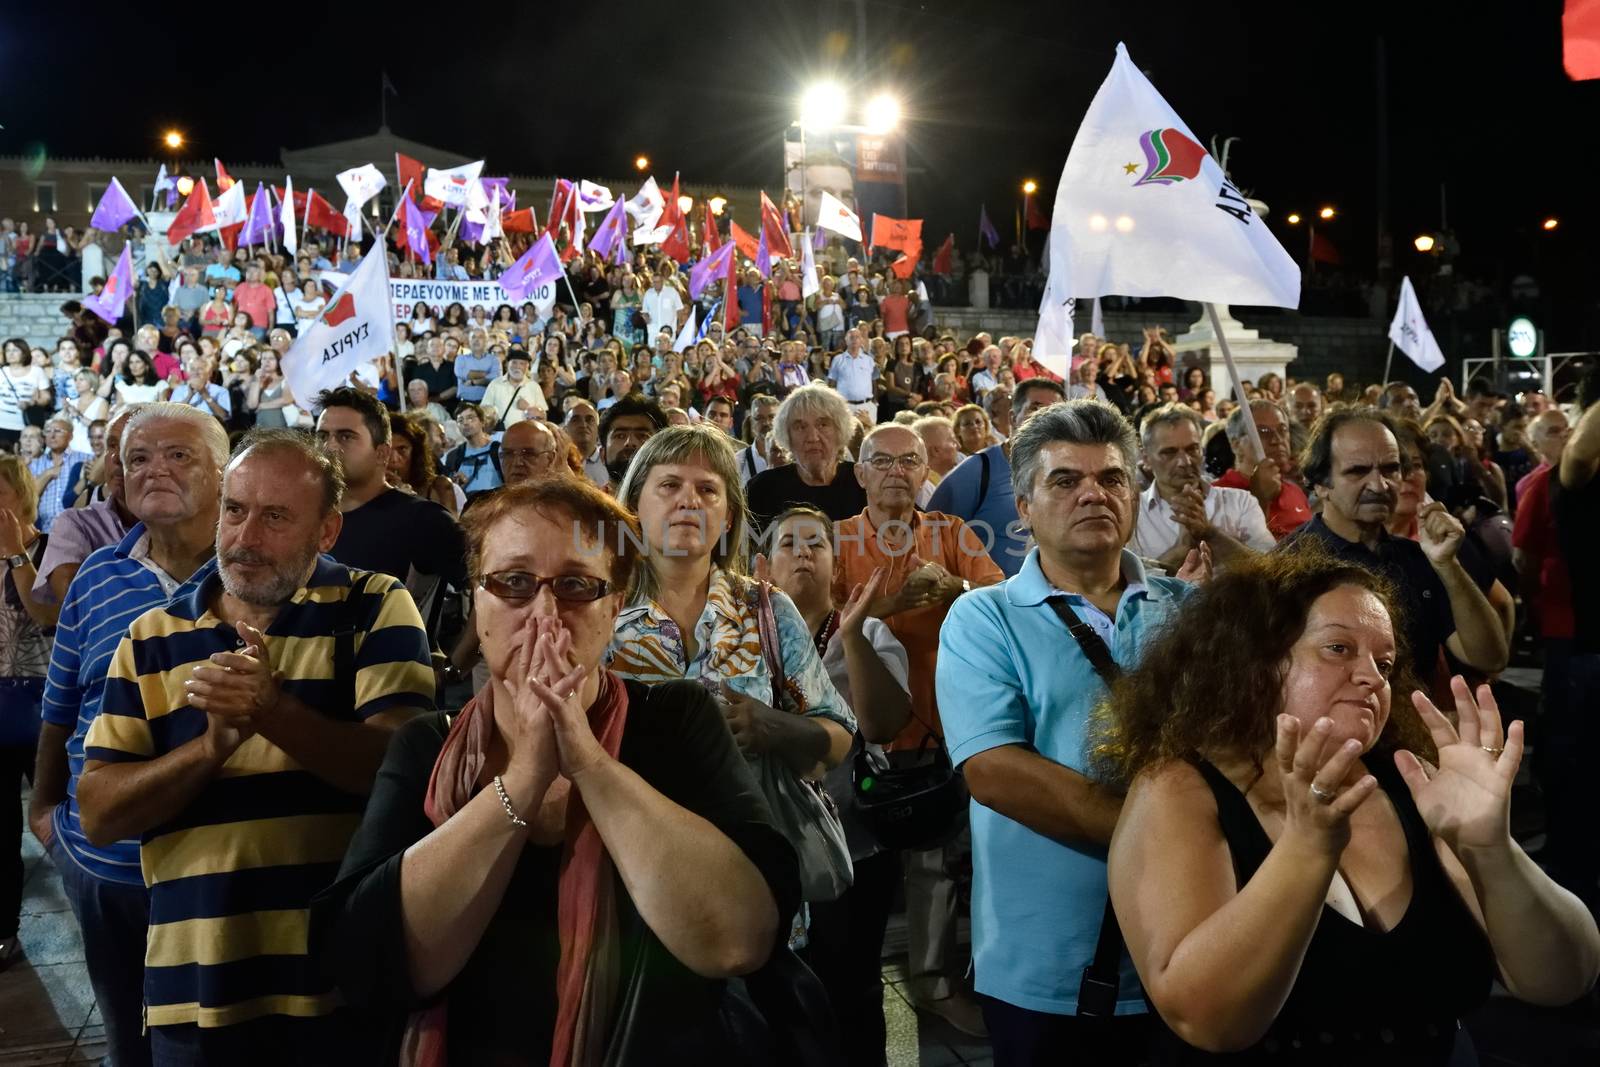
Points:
(814, 426)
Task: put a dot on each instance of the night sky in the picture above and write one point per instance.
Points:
(993, 92)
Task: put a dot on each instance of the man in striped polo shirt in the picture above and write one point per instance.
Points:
(240, 732)
(174, 500)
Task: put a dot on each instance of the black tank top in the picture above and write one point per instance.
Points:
(1364, 996)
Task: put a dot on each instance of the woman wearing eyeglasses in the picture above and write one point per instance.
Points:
(567, 870)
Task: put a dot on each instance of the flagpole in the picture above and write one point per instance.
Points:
(303, 216)
(1238, 383)
(1387, 363)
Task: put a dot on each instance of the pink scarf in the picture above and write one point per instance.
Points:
(586, 914)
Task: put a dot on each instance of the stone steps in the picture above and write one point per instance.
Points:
(34, 316)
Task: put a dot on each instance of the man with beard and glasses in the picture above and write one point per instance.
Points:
(242, 726)
(624, 428)
(1353, 460)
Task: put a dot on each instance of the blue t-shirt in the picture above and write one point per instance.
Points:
(1009, 674)
(112, 588)
(995, 515)
(749, 306)
(466, 363)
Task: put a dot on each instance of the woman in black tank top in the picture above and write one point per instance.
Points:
(1294, 885)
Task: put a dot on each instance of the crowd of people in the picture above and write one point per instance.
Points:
(535, 695)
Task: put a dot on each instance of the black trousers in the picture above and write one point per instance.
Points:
(845, 951)
(1024, 1038)
(16, 762)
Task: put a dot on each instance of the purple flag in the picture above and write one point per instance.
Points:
(763, 257)
(114, 296)
(709, 270)
(610, 231)
(820, 241)
(488, 185)
(415, 225)
(115, 209)
(260, 221)
(986, 228)
(472, 232)
(538, 265)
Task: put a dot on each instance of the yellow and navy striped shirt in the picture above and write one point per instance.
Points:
(231, 878)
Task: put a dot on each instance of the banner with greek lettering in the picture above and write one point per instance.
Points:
(438, 295)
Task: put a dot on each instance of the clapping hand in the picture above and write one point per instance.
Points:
(1466, 801)
(1196, 565)
(14, 535)
(1440, 533)
(1189, 512)
(1318, 796)
(236, 690)
(853, 616)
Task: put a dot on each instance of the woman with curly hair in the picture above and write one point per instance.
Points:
(1301, 873)
(411, 463)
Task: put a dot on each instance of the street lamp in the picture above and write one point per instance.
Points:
(641, 163)
(185, 185)
(1326, 213)
(821, 106)
(1550, 223)
(173, 140)
(1425, 243)
(717, 204)
(1293, 218)
(1030, 187)
(882, 113)
(685, 204)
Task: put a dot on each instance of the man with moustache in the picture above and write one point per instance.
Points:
(514, 396)
(243, 723)
(1353, 460)
(624, 428)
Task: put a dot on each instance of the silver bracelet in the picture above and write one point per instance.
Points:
(505, 802)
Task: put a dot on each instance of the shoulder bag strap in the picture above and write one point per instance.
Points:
(1097, 993)
(510, 402)
(983, 480)
(771, 645)
(346, 624)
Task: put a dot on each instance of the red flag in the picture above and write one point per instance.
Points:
(1323, 251)
(1580, 39)
(1037, 220)
(230, 236)
(412, 170)
(195, 214)
(677, 243)
(299, 201)
(519, 221)
(224, 183)
(747, 245)
(320, 213)
(777, 231)
(907, 263)
(709, 235)
(766, 308)
(894, 233)
(942, 260)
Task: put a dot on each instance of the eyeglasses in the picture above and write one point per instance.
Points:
(526, 453)
(520, 586)
(909, 462)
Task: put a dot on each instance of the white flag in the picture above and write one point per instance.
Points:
(1143, 210)
(808, 267)
(356, 327)
(646, 206)
(491, 228)
(230, 208)
(1053, 343)
(833, 215)
(650, 235)
(1097, 325)
(592, 197)
(1409, 330)
(454, 186)
(687, 335)
(352, 216)
(291, 238)
(361, 183)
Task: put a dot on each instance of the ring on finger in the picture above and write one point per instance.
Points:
(1323, 796)
(1495, 752)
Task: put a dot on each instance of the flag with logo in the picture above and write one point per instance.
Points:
(676, 242)
(809, 282)
(833, 215)
(775, 226)
(113, 296)
(320, 213)
(195, 216)
(646, 205)
(414, 225)
(519, 221)
(1143, 210)
(494, 227)
(538, 265)
(361, 183)
(355, 327)
(455, 186)
(230, 208)
(763, 259)
(895, 233)
(611, 231)
(709, 270)
(592, 197)
(906, 264)
(1409, 330)
(115, 210)
(291, 240)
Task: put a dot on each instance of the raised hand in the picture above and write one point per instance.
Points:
(853, 616)
(1440, 533)
(532, 759)
(14, 534)
(1318, 797)
(1466, 802)
(1189, 512)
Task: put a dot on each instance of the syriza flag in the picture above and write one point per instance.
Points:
(833, 215)
(113, 296)
(355, 327)
(1409, 330)
(1143, 210)
(457, 186)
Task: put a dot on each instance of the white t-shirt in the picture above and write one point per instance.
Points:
(304, 309)
(662, 307)
(1235, 512)
(17, 388)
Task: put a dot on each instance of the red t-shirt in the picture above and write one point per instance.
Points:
(1534, 531)
(1288, 513)
(895, 310)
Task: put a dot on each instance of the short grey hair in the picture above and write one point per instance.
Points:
(818, 401)
(1076, 422)
(1169, 415)
(864, 452)
(282, 440)
(1235, 427)
(1019, 395)
(211, 431)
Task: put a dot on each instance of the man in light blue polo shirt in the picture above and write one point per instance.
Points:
(855, 374)
(476, 368)
(1016, 692)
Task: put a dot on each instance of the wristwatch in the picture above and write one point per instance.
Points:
(19, 560)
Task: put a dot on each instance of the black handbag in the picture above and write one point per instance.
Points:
(916, 806)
